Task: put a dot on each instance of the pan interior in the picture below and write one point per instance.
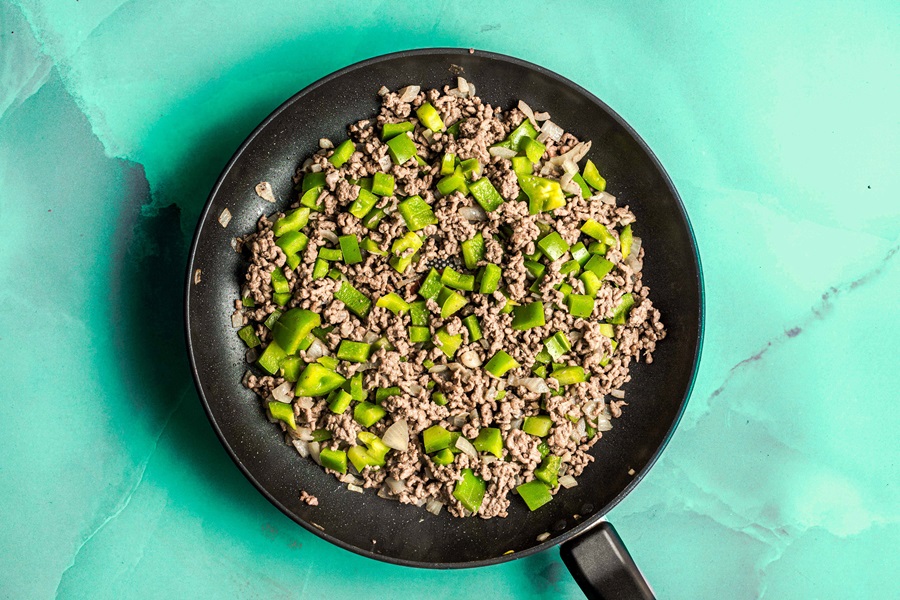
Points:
(382, 528)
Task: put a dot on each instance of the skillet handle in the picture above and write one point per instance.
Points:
(602, 566)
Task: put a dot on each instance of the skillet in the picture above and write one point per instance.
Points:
(657, 393)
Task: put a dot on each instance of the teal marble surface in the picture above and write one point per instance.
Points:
(778, 123)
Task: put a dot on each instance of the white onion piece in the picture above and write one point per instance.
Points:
(264, 191)
(581, 428)
(542, 137)
(385, 162)
(397, 435)
(409, 93)
(568, 184)
(470, 359)
(302, 447)
(634, 264)
(433, 506)
(603, 424)
(237, 319)
(305, 402)
(304, 433)
(462, 85)
(543, 537)
(488, 459)
(315, 168)
(516, 423)
(383, 91)
(617, 394)
(427, 134)
(419, 502)
(365, 366)
(370, 337)
(576, 153)
(384, 492)
(395, 485)
(502, 152)
(325, 144)
(466, 447)
(554, 131)
(541, 116)
(606, 198)
(472, 213)
(636, 246)
(471, 90)
(314, 449)
(307, 163)
(459, 420)
(455, 93)
(354, 488)
(437, 369)
(316, 350)
(407, 281)
(570, 167)
(413, 389)
(225, 217)
(568, 482)
(532, 384)
(528, 113)
(282, 393)
(329, 235)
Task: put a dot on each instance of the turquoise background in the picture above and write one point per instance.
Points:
(778, 122)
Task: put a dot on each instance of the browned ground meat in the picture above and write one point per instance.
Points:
(475, 399)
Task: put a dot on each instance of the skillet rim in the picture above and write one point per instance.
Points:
(599, 515)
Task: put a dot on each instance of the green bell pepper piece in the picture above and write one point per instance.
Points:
(389, 130)
(367, 414)
(543, 194)
(430, 117)
(450, 302)
(272, 319)
(417, 213)
(557, 345)
(535, 268)
(570, 267)
(538, 425)
(340, 402)
(291, 367)
(355, 387)
(293, 221)
(490, 279)
(593, 178)
(316, 380)
(500, 364)
(419, 334)
(382, 183)
(443, 457)
(533, 149)
(569, 375)
(329, 362)
(281, 299)
(336, 460)
(598, 232)
(549, 470)
(580, 253)
(449, 344)
(350, 249)
(393, 303)
(486, 194)
(407, 242)
(515, 140)
(435, 438)
(592, 283)
(330, 254)
(528, 316)
(321, 435)
(599, 266)
(351, 351)
(439, 398)
(320, 268)
(535, 494)
(248, 302)
(580, 305)
(401, 148)
(248, 334)
(622, 310)
(293, 242)
(364, 203)
(280, 282)
(293, 326)
(521, 165)
(312, 180)
(474, 327)
(470, 490)
(456, 280)
(382, 394)
(585, 190)
(419, 314)
(626, 239)
(372, 219)
(489, 440)
(356, 301)
(377, 448)
(342, 153)
(283, 412)
(470, 168)
(310, 199)
(432, 285)
(360, 458)
(370, 246)
(448, 164)
(473, 251)
(553, 246)
(607, 330)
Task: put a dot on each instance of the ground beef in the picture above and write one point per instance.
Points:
(472, 398)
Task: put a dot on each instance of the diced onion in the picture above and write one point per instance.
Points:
(302, 447)
(305, 434)
(634, 264)
(567, 481)
(314, 449)
(409, 93)
(237, 319)
(413, 389)
(636, 246)
(568, 184)
(197, 276)
(606, 198)
(383, 91)
(365, 366)
(465, 446)
(420, 502)
(471, 90)
(325, 144)
(282, 393)
(570, 167)
(316, 350)
(617, 394)
(554, 131)
(315, 168)
(470, 359)
(543, 137)
(370, 337)
(576, 153)
(472, 213)
(395, 485)
(385, 162)
(528, 113)
(264, 191)
(462, 85)
(488, 459)
(225, 217)
(433, 506)
(427, 134)
(305, 402)
(406, 282)
(397, 435)
(354, 488)
(459, 420)
(543, 537)
(437, 369)
(532, 384)
(329, 235)
(502, 152)
(541, 116)
(516, 423)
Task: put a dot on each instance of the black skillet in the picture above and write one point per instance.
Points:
(397, 533)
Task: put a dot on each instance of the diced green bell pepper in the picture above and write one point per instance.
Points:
(310, 199)
(293, 326)
(272, 319)
(367, 414)
(535, 494)
(449, 344)
(486, 194)
(382, 394)
(350, 249)
(470, 490)
(393, 303)
(382, 183)
(361, 458)
(377, 448)
(279, 282)
(626, 239)
(473, 251)
(456, 280)
(351, 351)
(538, 425)
(593, 178)
(553, 246)
(521, 165)
(293, 242)
(329, 362)
(489, 440)
(430, 117)
(435, 438)
(598, 232)
(622, 310)
(569, 375)
(592, 283)
(283, 412)
(281, 299)
(293, 221)
(528, 316)
(585, 190)
(312, 180)
(439, 398)
(443, 457)
(500, 364)
(533, 149)
(470, 168)
(316, 380)
(371, 246)
(356, 301)
(418, 334)
(419, 314)
(336, 460)
(543, 194)
(557, 345)
(320, 435)
(401, 148)
(291, 367)
(409, 242)
(340, 402)
(549, 470)
(389, 130)
(535, 268)
(490, 279)
(330, 254)
(607, 330)
(372, 219)
(320, 268)
(432, 285)
(363, 204)
(342, 153)
(471, 323)
(580, 305)
(417, 213)
(580, 253)
(450, 302)
(248, 334)
(570, 267)
(448, 164)
(355, 387)
(452, 183)
(599, 266)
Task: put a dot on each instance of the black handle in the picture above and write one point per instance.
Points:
(602, 566)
